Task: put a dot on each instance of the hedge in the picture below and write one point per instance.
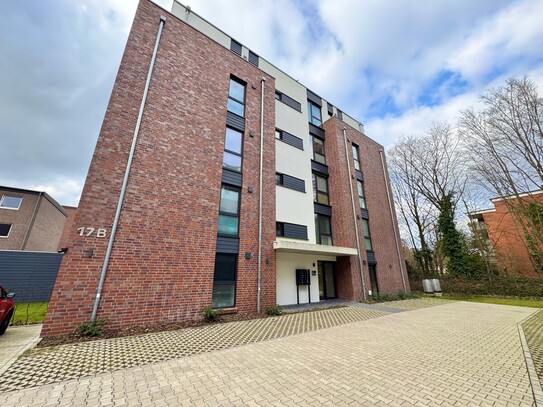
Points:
(508, 287)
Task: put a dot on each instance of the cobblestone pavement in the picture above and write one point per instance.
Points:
(533, 329)
(54, 364)
(461, 354)
(415, 303)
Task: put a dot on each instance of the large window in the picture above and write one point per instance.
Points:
(356, 157)
(318, 149)
(361, 197)
(236, 98)
(229, 211)
(314, 113)
(224, 281)
(367, 238)
(5, 228)
(10, 202)
(323, 229)
(232, 150)
(320, 190)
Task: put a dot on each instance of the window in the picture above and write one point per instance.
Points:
(367, 238)
(224, 281)
(356, 157)
(318, 149)
(320, 190)
(232, 150)
(323, 229)
(361, 197)
(229, 211)
(278, 179)
(5, 228)
(290, 139)
(236, 98)
(279, 229)
(314, 113)
(278, 134)
(10, 202)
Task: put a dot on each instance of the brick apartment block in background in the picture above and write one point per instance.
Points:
(506, 241)
(30, 220)
(239, 171)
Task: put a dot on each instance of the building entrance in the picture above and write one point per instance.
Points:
(327, 280)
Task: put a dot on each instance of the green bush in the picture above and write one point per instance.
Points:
(500, 286)
(401, 295)
(277, 310)
(210, 314)
(91, 328)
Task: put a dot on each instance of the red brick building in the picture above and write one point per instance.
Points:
(219, 180)
(505, 235)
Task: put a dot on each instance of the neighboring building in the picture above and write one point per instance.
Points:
(29, 220)
(502, 237)
(196, 228)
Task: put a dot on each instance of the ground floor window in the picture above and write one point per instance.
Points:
(224, 281)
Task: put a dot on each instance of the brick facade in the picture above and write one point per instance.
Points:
(389, 277)
(508, 240)
(162, 263)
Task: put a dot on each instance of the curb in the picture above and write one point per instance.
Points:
(537, 391)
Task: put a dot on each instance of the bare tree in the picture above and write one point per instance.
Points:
(504, 140)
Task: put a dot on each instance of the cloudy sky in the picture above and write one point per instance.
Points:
(394, 65)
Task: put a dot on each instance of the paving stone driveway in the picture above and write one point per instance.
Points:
(459, 353)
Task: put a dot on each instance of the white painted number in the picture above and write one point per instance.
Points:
(101, 233)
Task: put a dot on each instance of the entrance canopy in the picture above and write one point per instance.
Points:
(309, 248)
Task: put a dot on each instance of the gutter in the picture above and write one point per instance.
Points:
(262, 81)
(126, 174)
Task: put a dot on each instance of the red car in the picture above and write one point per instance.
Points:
(6, 309)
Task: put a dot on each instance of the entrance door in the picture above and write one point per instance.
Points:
(327, 280)
(373, 280)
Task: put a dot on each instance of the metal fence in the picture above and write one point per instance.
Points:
(31, 275)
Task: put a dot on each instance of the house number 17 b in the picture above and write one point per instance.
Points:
(87, 232)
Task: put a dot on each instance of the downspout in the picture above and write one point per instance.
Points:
(262, 81)
(355, 223)
(126, 174)
(32, 219)
(392, 217)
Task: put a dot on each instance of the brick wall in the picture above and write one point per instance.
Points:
(162, 264)
(381, 224)
(47, 228)
(20, 219)
(508, 239)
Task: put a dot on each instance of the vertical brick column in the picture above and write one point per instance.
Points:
(162, 263)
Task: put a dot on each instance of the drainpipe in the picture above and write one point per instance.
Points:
(262, 81)
(126, 174)
(355, 223)
(392, 218)
(32, 219)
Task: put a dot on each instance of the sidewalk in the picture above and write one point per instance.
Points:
(15, 341)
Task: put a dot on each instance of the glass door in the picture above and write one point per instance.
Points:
(373, 280)
(327, 280)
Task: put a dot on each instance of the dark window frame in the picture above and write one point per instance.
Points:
(230, 214)
(234, 152)
(367, 238)
(361, 198)
(317, 191)
(313, 137)
(226, 282)
(310, 117)
(230, 97)
(356, 157)
(319, 234)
